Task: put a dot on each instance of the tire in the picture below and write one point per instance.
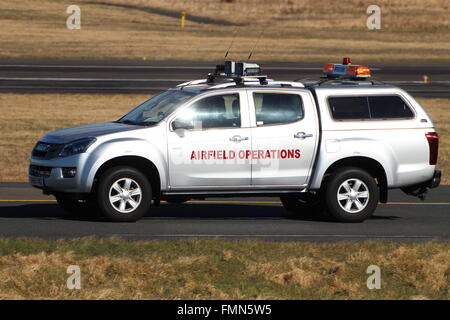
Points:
(77, 208)
(124, 194)
(305, 205)
(351, 195)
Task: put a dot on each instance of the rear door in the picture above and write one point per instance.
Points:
(284, 137)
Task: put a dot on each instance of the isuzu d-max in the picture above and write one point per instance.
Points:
(333, 145)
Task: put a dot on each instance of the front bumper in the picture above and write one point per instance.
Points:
(52, 179)
(48, 174)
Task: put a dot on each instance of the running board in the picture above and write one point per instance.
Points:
(240, 193)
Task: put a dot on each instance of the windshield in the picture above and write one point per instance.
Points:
(156, 108)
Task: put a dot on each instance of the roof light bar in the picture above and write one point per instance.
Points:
(346, 70)
(346, 61)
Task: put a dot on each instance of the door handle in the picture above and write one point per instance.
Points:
(238, 138)
(302, 135)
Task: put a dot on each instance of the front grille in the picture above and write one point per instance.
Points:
(45, 150)
(39, 171)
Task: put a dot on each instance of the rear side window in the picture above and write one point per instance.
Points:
(348, 108)
(277, 108)
(389, 107)
(369, 107)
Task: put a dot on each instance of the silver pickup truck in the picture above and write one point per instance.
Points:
(335, 145)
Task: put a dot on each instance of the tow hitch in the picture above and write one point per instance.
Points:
(420, 190)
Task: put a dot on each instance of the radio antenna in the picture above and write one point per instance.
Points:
(256, 43)
(232, 41)
(235, 33)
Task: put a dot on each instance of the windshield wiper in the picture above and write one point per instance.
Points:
(142, 123)
(126, 122)
(146, 123)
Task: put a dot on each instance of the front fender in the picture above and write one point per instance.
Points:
(121, 147)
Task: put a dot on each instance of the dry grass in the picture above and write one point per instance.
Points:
(299, 30)
(214, 269)
(26, 117)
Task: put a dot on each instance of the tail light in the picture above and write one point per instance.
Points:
(433, 143)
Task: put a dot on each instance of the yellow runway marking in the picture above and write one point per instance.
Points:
(243, 202)
(27, 200)
(446, 203)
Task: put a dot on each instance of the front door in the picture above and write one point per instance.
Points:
(209, 151)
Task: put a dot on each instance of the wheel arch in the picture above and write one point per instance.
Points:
(370, 165)
(142, 164)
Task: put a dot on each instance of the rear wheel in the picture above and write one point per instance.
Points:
(124, 194)
(351, 195)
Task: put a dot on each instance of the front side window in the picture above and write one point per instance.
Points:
(277, 108)
(219, 111)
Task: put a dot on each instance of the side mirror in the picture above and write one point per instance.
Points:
(182, 124)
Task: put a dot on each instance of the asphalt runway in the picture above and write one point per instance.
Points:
(25, 212)
(90, 76)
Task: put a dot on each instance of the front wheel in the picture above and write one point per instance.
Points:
(351, 195)
(124, 194)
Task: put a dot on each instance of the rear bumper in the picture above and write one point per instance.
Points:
(436, 180)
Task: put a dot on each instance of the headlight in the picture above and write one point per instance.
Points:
(75, 147)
